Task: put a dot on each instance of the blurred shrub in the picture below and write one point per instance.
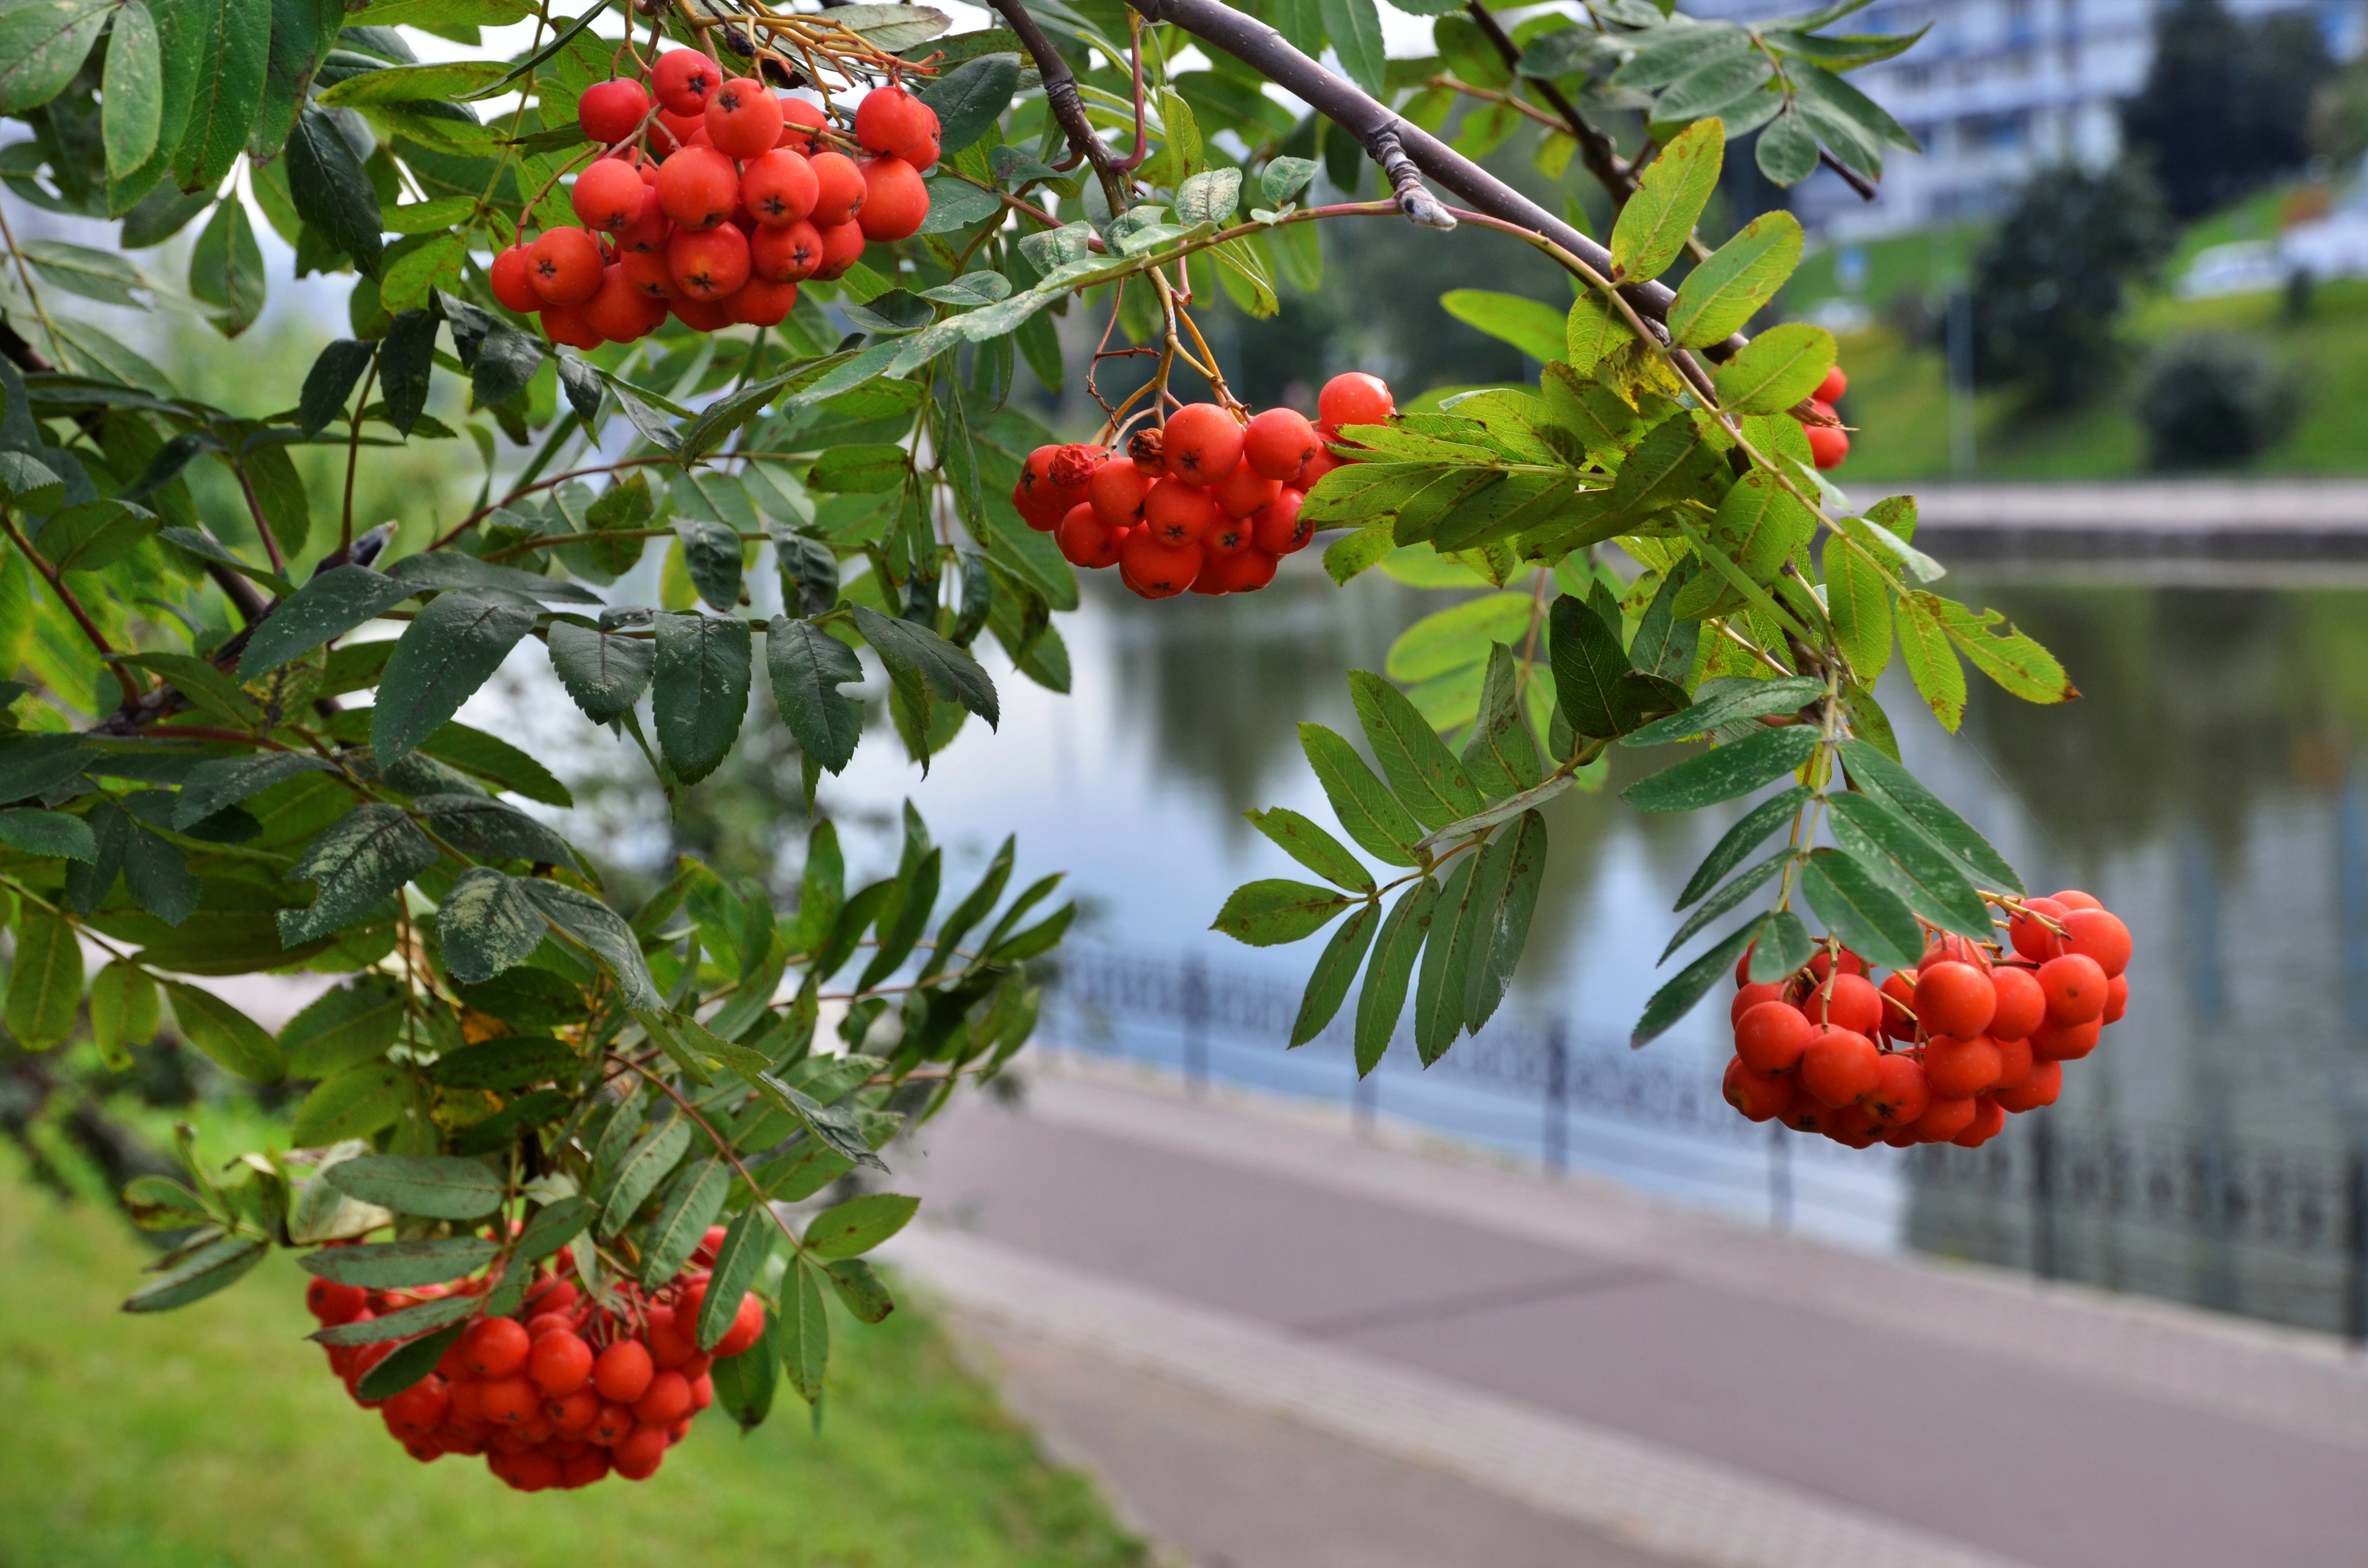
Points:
(2213, 400)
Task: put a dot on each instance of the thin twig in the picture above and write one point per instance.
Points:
(1068, 108)
(133, 690)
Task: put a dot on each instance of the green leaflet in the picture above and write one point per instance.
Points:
(45, 985)
(453, 648)
(606, 674)
(1723, 293)
(1856, 906)
(1312, 848)
(1723, 772)
(1384, 998)
(1505, 895)
(1422, 772)
(1905, 858)
(235, 1040)
(1740, 840)
(1776, 369)
(860, 1224)
(807, 666)
(1368, 811)
(1274, 911)
(1446, 965)
(214, 1267)
(440, 1187)
(699, 690)
(1336, 971)
(1932, 663)
(1656, 223)
(1859, 602)
(1883, 776)
(366, 856)
(487, 924)
(1537, 330)
(1784, 947)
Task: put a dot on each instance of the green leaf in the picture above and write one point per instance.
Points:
(1512, 869)
(351, 1023)
(408, 1364)
(1654, 226)
(1870, 769)
(1355, 30)
(1723, 772)
(915, 651)
(362, 858)
(1336, 970)
(486, 925)
(1268, 913)
(1676, 998)
(1859, 602)
(856, 1226)
(711, 554)
(1286, 177)
(808, 666)
(647, 1163)
(435, 1186)
(1587, 663)
(226, 272)
(1312, 848)
(330, 382)
(606, 674)
(407, 359)
(1422, 772)
(1787, 151)
(453, 648)
(333, 191)
(1457, 636)
(131, 91)
(701, 690)
(803, 1324)
(1781, 950)
(860, 1290)
(53, 836)
(1446, 965)
(1776, 369)
(401, 1325)
(2013, 660)
(42, 44)
(1924, 647)
(863, 470)
(602, 931)
(1501, 754)
(126, 1009)
(1736, 704)
(1910, 862)
(45, 982)
(508, 1061)
(387, 1265)
(214, 1267)
(1368, 811)
(554, 1226)
(1720, 904)
(1868, 917)
(1384, 997)
(747, 1243)
(1536, 329)
(1728, 86)
(491, 830)
(691, 1204)
(971, 97)
(1740, 840)
(157, 874)
(1726, 292)
(232, 42)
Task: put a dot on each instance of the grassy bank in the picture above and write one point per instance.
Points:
(214, 1436)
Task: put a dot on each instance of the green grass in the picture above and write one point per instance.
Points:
(214, 1437)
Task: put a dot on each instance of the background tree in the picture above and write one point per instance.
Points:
(2226, 103)
(2050, 283)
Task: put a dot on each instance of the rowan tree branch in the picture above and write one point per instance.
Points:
(1068, 108)
(1595, 148)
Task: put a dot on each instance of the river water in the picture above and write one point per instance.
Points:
(2210, 787)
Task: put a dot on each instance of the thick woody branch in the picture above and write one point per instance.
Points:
(1068, 108)
(1406, 180)
(1264, 49)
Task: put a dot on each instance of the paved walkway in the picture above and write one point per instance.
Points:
(1283, 1346)
(2282, 519)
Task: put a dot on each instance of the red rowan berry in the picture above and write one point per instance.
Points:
(559, 1364)
(1808, 1113)
(564, 266)
(1116, 491)
(709, 263)
(1224, 535)
(1902, 1091)
(610, 111)
(1085, 540)
(1959, 1067)
(331, 1303)
(761, 303)
(1278, 528)
(511, 1401)
(534, 1472)
(1853, 1125)
(466, 1394)
(1898, 989)
(839, 189)
(2021, 1004)
(1954, 998)
(2014, 1061)
(668, 1398)
(702, 1391)
(895, 199)
(2073, 898)
(622, 311)
(2039, 1088)
(842, 247)
(1850, 1002)
(622, 1371)
(1770, 1037)
(2100, 935)
(1245, 492)
(417, 1410)
(2030, 934)
(779, 188)
(1154, 570)
(638, 1450)
(1143, 450)
(1278, 442)
(573, 1412)
(2074, 986)
(495, 1348)
(1322, 463)
(1831, 389)
(1354, 398)
(675, 132)
(1044, 493)
(648, 275)
(669, 1336)
(697, 188)
(1759, 1098)
(2117, 998)
(1839, 1066)
(1748, 996)
(648, 233)
(2064, 1042)
(1201, 443)
(1944, 1118)
(890, 120)
(1242, 572)
(512, 284)
(1989, 1119)
(583, 1469)
(744, 118)
(700, 315)
(608, 196)
(685, 79)
(785, 255)
(1178, 512)
(800, 121)
(612, 1422)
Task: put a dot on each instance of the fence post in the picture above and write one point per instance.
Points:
(2042, 1196)
(2355, 1251)
(1196, 1022)
(1557, 1126)
(1780, 1179)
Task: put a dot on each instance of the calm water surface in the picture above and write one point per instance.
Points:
(2210, 788)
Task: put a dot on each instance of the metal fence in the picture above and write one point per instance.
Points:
(1568, 1095)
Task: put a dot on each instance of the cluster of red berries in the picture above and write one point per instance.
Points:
(1940, 1055)
(1208, 502)
(715, 200)
(562, 1398)
(1828, 443)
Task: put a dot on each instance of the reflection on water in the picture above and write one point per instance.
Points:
(2210, 788)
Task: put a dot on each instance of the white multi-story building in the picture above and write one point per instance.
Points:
(1997, 89)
